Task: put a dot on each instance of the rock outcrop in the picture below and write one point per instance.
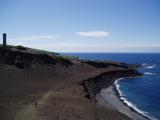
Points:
(104, 80)
(22, 58)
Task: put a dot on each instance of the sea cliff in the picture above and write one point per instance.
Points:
(36, 84)
(94, 85)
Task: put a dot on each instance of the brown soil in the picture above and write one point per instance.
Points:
(50, 92)
(41, 87)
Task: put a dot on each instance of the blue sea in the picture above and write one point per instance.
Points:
(141, 93)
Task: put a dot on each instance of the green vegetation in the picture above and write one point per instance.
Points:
(45, 52)
(20, 47)
(69, 57)
(36, 51)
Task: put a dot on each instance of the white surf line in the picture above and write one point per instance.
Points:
(150, 73)
(130, 104)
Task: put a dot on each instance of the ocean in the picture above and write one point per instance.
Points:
(141, 93)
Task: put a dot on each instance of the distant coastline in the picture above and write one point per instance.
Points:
(45, 74)
(149, 67)
(101, 82)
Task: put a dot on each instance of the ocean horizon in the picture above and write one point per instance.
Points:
(141, 93)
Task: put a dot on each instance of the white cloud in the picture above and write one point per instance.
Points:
(135, 46)
(37, 37)
(53, 43)
(94, 33)
(69, 47)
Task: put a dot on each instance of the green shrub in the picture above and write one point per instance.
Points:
(21, 47)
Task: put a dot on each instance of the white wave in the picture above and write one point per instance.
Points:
(149, 66)
(130, 104)
(150, 73)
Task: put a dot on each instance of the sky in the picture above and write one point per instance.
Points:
(82, 25)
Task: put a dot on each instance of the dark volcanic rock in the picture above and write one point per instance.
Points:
(94, 85)
(21, 59)
(101, 64)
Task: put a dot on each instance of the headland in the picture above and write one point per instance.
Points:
(42, 85)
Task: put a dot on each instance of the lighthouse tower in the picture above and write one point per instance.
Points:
(4, 39)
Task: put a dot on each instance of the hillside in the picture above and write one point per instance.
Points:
(41, 85)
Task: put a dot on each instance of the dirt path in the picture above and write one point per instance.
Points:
(30, 112)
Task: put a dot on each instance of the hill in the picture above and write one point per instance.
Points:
(42, 85)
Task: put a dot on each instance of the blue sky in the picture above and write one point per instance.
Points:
(83, 25)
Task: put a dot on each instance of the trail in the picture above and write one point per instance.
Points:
(30, 112)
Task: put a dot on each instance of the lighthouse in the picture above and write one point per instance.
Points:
(4, 39)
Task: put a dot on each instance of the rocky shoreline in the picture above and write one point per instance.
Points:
(132, 112)
(94, 85)
(33, 83)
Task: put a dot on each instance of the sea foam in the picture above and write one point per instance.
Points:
(150, 73)
(130, 104)
(149, 66)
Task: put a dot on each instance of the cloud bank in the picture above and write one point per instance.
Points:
(53, 43)
(37, 37)
(94, 33)
(69, 47)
